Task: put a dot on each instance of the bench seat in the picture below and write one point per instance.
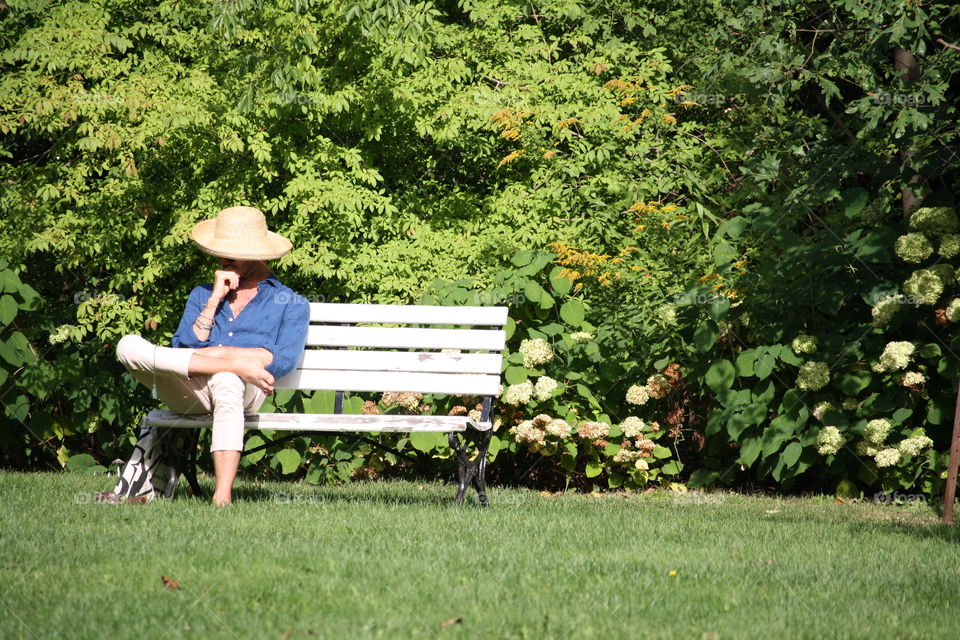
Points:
(325, 422)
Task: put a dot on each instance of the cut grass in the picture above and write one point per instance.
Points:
(398, 559)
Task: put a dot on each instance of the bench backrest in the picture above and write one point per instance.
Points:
(342, 356)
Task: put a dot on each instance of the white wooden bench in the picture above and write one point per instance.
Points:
(341, 356)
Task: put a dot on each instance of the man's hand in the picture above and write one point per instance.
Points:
(223, 283)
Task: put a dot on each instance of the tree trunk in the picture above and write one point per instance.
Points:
(906, 65)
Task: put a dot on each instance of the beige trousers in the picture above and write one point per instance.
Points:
(223, 394)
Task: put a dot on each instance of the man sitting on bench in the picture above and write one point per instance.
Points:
(235, 338)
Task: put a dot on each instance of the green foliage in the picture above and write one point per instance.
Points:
(693, 185)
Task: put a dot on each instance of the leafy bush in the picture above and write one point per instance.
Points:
(697, 186)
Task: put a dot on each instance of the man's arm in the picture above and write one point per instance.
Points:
(257, 355)
(184, 336)
(291, 337)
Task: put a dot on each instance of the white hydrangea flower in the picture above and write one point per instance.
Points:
(593, 430)
(527, 432)
(658, 385)
(645, 446)
(625, 455)
(829, 441)
(61, 334)
(638, 394)
(877, 431)
(581, 336)
(934, 221)
(949, 245)
(632, 426)
(544, 388)
(813, 376)
(912, 379)
(913, 446)
(885, 309)
(641, 464)
(518, 393)
(535, 351)
(804, 343)
(896, 355)
(850, 404)
(821, 408)
(913, 247)
(953, 310)
(559, 428)
(887, 458)
(667, 313)
(924, 286)
(409, 401)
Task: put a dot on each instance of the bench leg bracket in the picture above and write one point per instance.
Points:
(471, 472)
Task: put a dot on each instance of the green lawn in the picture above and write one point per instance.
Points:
(398, 559)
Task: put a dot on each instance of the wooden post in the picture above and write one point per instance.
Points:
(951, 488)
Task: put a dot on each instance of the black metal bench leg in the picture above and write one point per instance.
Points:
(190, 472)
(480, 468)
(471, 472)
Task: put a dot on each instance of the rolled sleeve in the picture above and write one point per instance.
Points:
(184, 335)
(291, 339)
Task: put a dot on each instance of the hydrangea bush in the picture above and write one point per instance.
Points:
(865, 395)
(559, 411)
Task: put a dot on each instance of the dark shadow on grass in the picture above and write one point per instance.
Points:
(378, 493)
(942, 532)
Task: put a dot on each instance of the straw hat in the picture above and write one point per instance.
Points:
(239, 233)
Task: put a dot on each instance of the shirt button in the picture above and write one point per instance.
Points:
(219, 345)
(229, 319)
(230, 334)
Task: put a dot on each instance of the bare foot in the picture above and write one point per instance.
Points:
(220, 501)
(254, 374)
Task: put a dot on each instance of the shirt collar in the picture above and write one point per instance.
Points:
(271, 279)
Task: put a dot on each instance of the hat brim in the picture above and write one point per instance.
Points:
(269, 248)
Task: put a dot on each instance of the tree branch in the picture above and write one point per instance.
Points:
(499, 83)
(947, 44)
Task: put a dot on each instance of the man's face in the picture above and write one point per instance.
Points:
(242, 268)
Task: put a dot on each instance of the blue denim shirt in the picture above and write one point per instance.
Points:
(275, 319)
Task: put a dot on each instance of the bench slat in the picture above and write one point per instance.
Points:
(405, 337)
(408, 314)
(449, 383)
(425, 362)
(324, 422)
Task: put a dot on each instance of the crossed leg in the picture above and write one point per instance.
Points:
(225, 381)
